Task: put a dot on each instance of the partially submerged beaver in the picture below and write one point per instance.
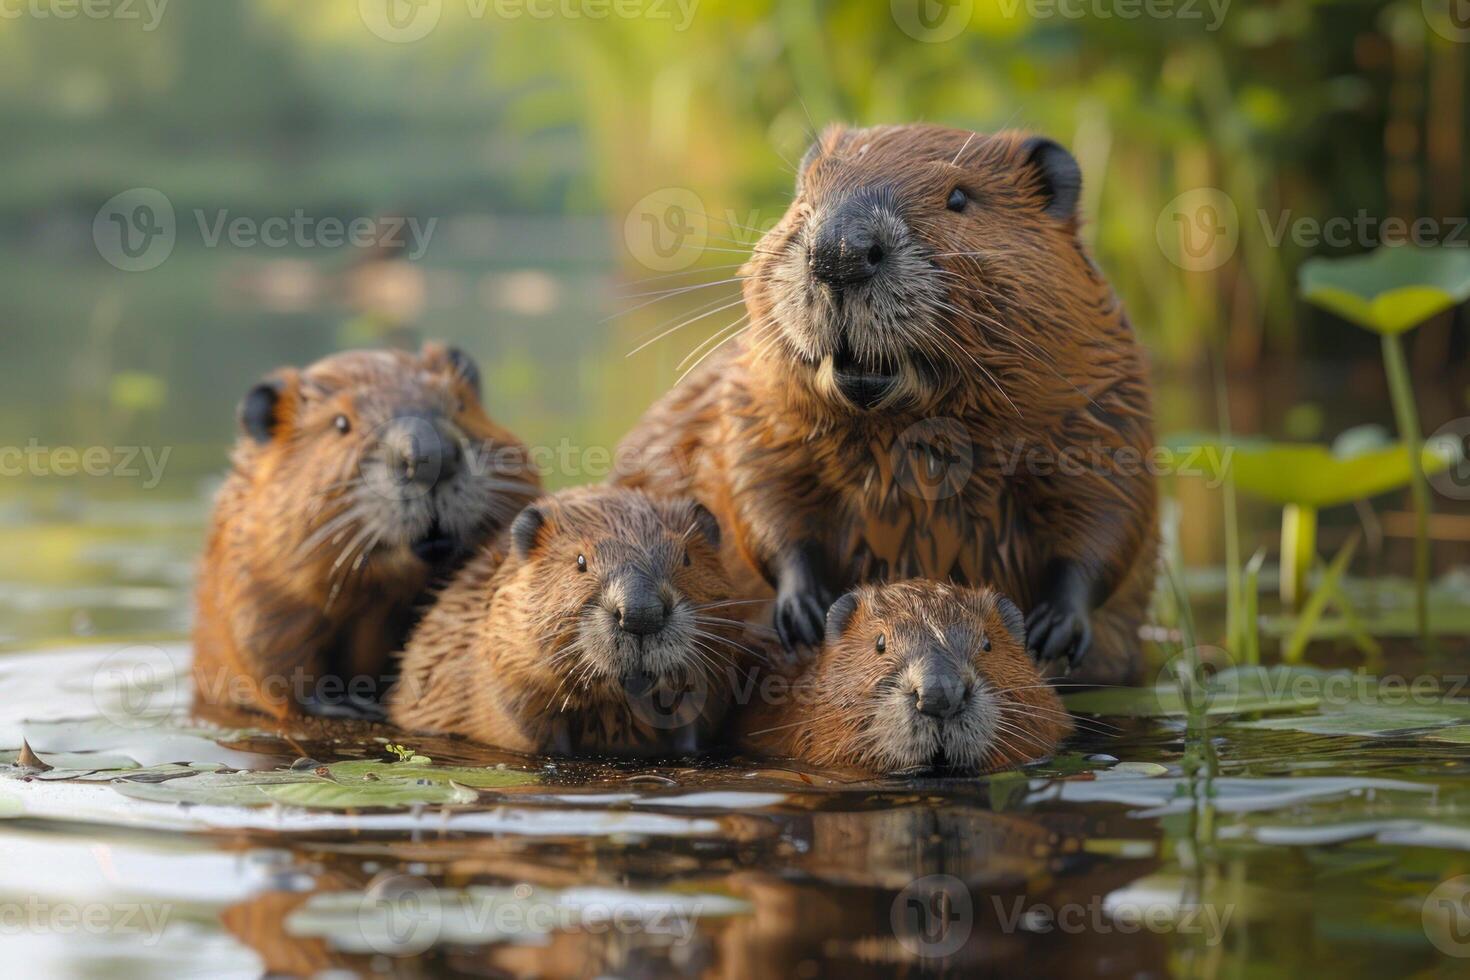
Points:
(600, 623)
(354, 482)
(936, 382)
(916, 675)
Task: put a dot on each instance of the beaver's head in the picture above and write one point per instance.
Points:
(620, 592)
(920, 260)
(380, 461)
(921, 675)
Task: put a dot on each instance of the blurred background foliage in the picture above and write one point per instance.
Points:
(530, 139)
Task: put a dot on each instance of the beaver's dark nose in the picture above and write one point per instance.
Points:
(640, 609)
(850, 244)
(941, 694)
(419, 452)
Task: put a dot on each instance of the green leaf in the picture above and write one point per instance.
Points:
(346, 785)
(1389, 290)
(1237, 690)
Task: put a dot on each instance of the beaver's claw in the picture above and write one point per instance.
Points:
(800, 619)
(1058, 629)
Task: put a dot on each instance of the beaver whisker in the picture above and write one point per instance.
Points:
(686, 272)
(680, 326)
(724, 335)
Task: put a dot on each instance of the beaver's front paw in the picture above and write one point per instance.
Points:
(1059, 629)
(801, 616)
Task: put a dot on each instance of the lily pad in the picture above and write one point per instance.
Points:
(1370, 719)
(1237, 690)
(1391, 289)
(340, 786)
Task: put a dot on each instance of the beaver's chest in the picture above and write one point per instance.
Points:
(935, 502)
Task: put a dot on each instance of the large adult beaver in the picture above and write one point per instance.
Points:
(354, 483)
(937, 381)
(915, 675)
(600, 623)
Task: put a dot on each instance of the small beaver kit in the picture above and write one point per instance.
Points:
(911, 677)
(600, 623)
(354, 483)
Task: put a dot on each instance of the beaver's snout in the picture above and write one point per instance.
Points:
(852, 241)
(638, 606)
(420, 451)
(940, 693)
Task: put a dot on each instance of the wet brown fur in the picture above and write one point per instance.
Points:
(834, 710)
(284, 607)
(498, 658)
(1032, 353)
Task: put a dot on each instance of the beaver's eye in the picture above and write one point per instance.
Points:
(342, 424)
(581, 563)
(957, 200)
(882, 643)
(687, 561)
(985, 643)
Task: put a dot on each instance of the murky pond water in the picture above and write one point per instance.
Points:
(1322, 823)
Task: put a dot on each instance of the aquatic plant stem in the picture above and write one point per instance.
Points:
(1298, 549)
(1401, 390)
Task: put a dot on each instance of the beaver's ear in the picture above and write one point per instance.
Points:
(1010, 615)
(446, 357)
(524, 530)
(708, 524)
(839, 615)
(831, 139)
(1060, 177)
(262, 408)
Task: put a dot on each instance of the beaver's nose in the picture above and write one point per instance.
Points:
(420, 453)
(849, 246)
(640, 609)
(940, 694)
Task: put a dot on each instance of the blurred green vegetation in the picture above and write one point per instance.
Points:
(533, 138)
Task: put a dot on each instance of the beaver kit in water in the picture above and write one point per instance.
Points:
(937, 382)
(354, 483)
(912, 676)
(599, 624)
